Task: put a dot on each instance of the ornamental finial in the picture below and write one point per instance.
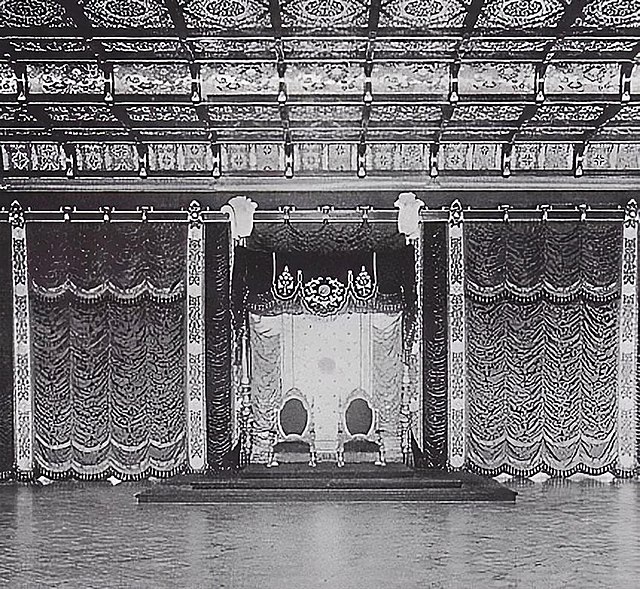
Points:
(456, 215)
(195, 214)
(16, 214)
(631, 214)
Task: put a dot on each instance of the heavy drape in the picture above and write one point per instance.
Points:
(6, 354)
(108, 329)
(542, 313)
(218, 343)
(434, 332)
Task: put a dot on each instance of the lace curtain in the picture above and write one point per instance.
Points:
(108, 316)
(542, 312)
(6, 354)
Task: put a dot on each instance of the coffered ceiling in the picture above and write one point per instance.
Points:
(300, 87)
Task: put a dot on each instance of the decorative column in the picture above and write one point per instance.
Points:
(411, 418)
(196, 408)
(628, 342)
(22, 390)
(240, 210)
(456, 411)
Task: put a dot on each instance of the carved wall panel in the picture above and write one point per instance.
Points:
(16, 115)
(310, 157)
(391, 115)
(235, 157)
(610, 13)
(626, 156)
(398, 156)
(629, 115)
(245, 115)
(487, 114)
(324, 14)
(232, 48)
(67, 78)
(226, 14)
(527, 156)
(344, 133)
(409, 49)
(90, 157)
(542, 156)
(22, 13)
(47, 157)
(17, 157)
(580, 46)
(455, 156)
(75, 114)
(560, 115)
(413, 14)
(268, 157)
(496, 78)
(7, 80)
(330, 78)
(481, 47)
(519, 14)
(255, 79)
(341, 157)
(186, 157)
(172, 78)
(581, 78)
(152, 47)
(410, 78)
(325, 115)
(599, 156)
(163, 114)
(346, 49)
(120, 157)
(485, 156)
(122, 14)
(557, 156)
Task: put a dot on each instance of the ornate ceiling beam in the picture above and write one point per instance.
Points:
(471, 18)
(276, 19)
(177, 18)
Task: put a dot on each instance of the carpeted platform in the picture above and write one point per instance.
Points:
(327, 482)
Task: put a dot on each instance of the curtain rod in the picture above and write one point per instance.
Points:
(305, 216)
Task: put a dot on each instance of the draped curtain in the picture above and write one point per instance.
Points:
(326, 250)
(218, 343)
(434, 333)
(542, 313)
(108, 329)
(6, 354)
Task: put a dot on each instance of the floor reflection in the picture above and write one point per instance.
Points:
(574, 534)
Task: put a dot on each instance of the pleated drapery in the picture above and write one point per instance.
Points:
(108, 332)
(542, 328)
(218, 343)
(434, 333)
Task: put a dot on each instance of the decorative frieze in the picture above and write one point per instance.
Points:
(456, 416)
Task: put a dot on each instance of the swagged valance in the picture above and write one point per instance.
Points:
(122, 260)
(560, 262)
(324, 269)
